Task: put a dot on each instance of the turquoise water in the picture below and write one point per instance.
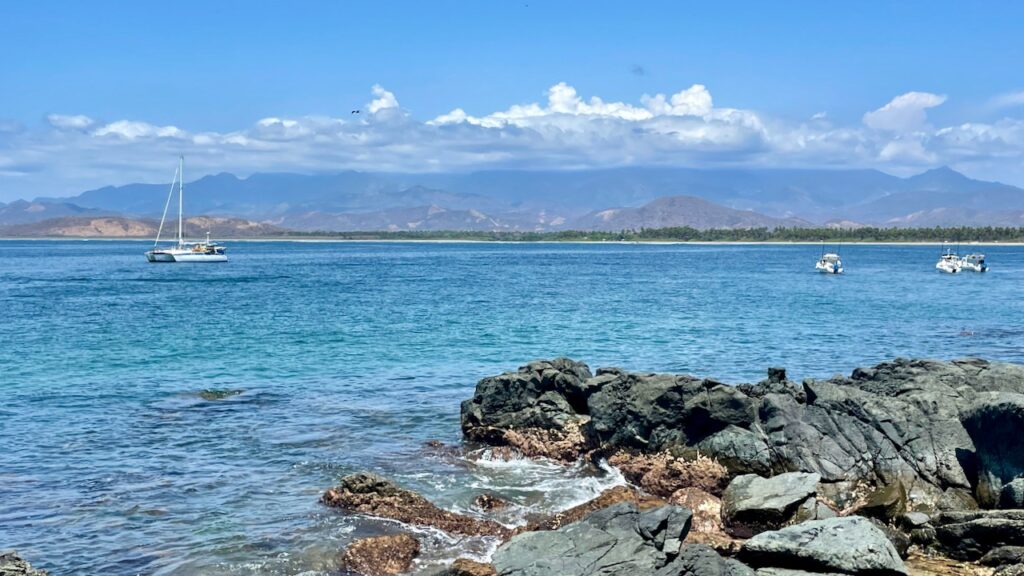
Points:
(351, 355)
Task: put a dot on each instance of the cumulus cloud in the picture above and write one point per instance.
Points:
(1007, 100)
(904, 113)
(562, 130)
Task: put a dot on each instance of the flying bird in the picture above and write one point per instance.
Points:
(355, 111)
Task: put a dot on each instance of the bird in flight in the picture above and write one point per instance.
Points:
(355, 111)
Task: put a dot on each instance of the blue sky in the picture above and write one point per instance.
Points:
(213, 71)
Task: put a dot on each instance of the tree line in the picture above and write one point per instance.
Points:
(688, 234)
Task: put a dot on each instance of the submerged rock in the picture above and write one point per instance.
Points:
(373, 495)
(899, 421)
(851, 545)
(467, 567)
(620, 540)
(12, 565)
(381, 555)
(995, 424)
(212, 394)
(752, 504)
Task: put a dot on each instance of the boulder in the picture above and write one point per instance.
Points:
(1012, 494)
(1003, 556)
(381, 555)
(614, 495)
(898, 422)
(664, 474)
(995, 423)
(752, 504)
(373, 495)
(12, 565)
(489, 502)
(620, 540)
(706, 508)
(970, 535)
(850, 545)
(701, 560)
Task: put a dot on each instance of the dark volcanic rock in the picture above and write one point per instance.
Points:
(970, 535)
(609, 497)
(851, 545)
(381, 555)
(885, 503)
(12, 565)
(373, 495)
(1004, 556)
(701, 560)
(752, 504)
(1012, 494)
(620, 540)
(897, 422)
(995, 423)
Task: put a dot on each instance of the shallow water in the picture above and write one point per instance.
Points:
(351, 355)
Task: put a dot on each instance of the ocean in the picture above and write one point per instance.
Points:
(342, 357)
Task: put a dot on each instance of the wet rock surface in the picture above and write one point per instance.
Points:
(467, 567)
(851, 545)
(13, 565)
(381, 555)
(374, 495)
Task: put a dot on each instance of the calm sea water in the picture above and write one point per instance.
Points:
(351, 355)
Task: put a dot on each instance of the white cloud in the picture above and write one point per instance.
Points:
(563, 130)
(130, 130)
(1007, 100)
(904, 113)
(64, 122)
(384, 100)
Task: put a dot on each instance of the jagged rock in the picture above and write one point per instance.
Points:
(1014, 570)
(752, 504)
(489, 502)
(1011, 497)
(918, 526)
(899, 540)
(373, 495)
(896, 422)
(970, 535)
(381, 555)
(467, 567)
(701, 560)
(850, 545)
(1003, 556)
(12, 565)
(620, 540)
(788, 572)
(995, 423)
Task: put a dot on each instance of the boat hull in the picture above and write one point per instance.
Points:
(169, 256)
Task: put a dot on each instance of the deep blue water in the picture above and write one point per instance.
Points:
(351, 355)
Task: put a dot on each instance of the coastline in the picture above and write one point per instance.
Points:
(329, 240)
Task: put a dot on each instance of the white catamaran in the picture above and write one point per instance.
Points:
(184, 251)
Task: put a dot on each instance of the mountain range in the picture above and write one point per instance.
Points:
(612, 199)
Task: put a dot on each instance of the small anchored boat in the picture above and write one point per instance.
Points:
(183, 251)
(949, 261)
(973, 263)
(829, 263)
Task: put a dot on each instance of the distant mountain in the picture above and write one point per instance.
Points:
(529, 200)
(121, 227)
(23, 212)
(678, 211)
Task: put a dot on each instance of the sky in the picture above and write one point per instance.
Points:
(101, 92)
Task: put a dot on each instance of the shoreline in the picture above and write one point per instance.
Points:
(329, 240)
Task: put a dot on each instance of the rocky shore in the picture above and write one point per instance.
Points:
(909, 467)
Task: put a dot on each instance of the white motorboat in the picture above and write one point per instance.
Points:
(829, 264)
(973, 263)
(183, 251)
(949, 262)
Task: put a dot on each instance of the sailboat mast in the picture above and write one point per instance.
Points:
(181, 201)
